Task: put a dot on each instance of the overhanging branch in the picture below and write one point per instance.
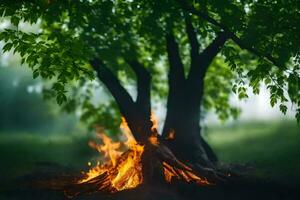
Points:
(190, 9)
(112, 83)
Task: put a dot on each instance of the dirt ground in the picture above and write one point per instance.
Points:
(26, 188)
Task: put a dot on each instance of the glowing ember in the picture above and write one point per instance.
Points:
(153, 139)
(186, 175)
(171, 135)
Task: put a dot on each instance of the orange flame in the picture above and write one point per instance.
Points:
(123, 170)
(130, 141)
(154, 121)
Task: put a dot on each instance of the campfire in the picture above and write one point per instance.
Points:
(122, 167)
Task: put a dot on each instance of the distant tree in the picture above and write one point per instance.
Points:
(203, 51)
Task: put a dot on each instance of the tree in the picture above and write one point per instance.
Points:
(208, 49)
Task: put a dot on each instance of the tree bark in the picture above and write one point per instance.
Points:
(185, 97)
(136, 113)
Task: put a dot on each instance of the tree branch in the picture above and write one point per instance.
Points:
(143, 85)
(176, 72)
(205, 58)
(112, 83)
(188, 8)
(137, 119)
(192, 40)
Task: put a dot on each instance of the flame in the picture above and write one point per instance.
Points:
(109, 148)
(123, 172)
(154, 121)
(130, 142)
(129, 171)
(153, 139)
(123, 169)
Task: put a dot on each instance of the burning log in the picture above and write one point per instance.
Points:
(129, 164)
(137, 165)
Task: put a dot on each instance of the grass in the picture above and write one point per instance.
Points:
(21, 152)
(273, 147)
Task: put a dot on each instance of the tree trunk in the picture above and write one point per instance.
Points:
(185, 97)
(183, 121)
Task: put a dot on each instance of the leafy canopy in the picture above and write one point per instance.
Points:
(264, 47)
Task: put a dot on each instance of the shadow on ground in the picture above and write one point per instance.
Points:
(26, 188)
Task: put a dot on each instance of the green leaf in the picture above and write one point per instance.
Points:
(283, 108)
(242, 95)
(15, 20)
(273, 101)
(36, 73)
(7, 47)
(298, 116)
(267, 80)
(234, 88)
(61, 98)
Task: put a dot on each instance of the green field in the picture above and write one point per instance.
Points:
(20, 152)
(272, 147)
